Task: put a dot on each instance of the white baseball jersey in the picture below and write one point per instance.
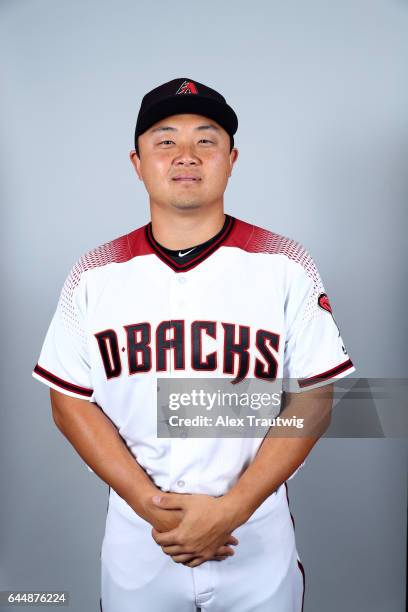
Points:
(252, 305)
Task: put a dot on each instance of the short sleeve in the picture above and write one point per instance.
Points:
(315, 353)
(63, 363)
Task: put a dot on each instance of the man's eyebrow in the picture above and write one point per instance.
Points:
(210, 126)
(167, 128)
(163, 128)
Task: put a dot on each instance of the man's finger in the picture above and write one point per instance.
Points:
(176, 550)
(225, 550)
(232, 540)
(195, 562)
(168, 501)
(183, 558)
(165, 538)
(186, 563)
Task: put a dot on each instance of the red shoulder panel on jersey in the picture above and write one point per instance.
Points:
(342, 367)
(59, 382)
(119, 250)
(138, 243)
(254, 239)
(115, 251)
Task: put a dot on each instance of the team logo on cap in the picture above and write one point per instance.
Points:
(324, 303)
(187, 87)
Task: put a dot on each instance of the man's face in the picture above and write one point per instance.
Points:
(185, 161)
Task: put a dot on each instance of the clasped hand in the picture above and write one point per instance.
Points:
(203, 533)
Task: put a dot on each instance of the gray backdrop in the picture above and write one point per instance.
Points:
(321, 94)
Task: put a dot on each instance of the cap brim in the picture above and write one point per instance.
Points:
(220, 112)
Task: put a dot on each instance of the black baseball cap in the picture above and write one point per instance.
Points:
(184, 95)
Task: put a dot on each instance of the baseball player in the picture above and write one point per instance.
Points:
(192, 523)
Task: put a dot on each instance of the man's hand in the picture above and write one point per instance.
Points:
(204, 532)
(160, 518)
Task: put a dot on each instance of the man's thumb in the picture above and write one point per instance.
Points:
(166, 501)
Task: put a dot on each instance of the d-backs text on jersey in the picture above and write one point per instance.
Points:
(169, 336)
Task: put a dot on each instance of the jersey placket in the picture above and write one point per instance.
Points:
(183, 469)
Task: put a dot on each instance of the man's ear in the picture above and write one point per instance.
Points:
(135, 160)
(233, 158)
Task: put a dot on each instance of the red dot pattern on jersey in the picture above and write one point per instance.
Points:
(264, 241)
(115, 251)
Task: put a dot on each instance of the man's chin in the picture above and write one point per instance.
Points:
(186, 205)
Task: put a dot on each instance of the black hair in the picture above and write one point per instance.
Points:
(137, 144)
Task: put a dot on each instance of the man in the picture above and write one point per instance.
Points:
(192, 523)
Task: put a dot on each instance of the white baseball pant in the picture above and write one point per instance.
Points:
(264, 575)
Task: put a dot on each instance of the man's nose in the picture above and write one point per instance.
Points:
(186, 156)
(186, 161)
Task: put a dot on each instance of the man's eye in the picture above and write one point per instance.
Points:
(165, 142)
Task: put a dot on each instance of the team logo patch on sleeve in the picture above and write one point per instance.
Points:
(324, 303)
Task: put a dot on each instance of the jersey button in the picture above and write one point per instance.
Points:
(181, 279)
(180, 483)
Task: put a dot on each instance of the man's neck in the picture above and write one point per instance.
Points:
(185, 228)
